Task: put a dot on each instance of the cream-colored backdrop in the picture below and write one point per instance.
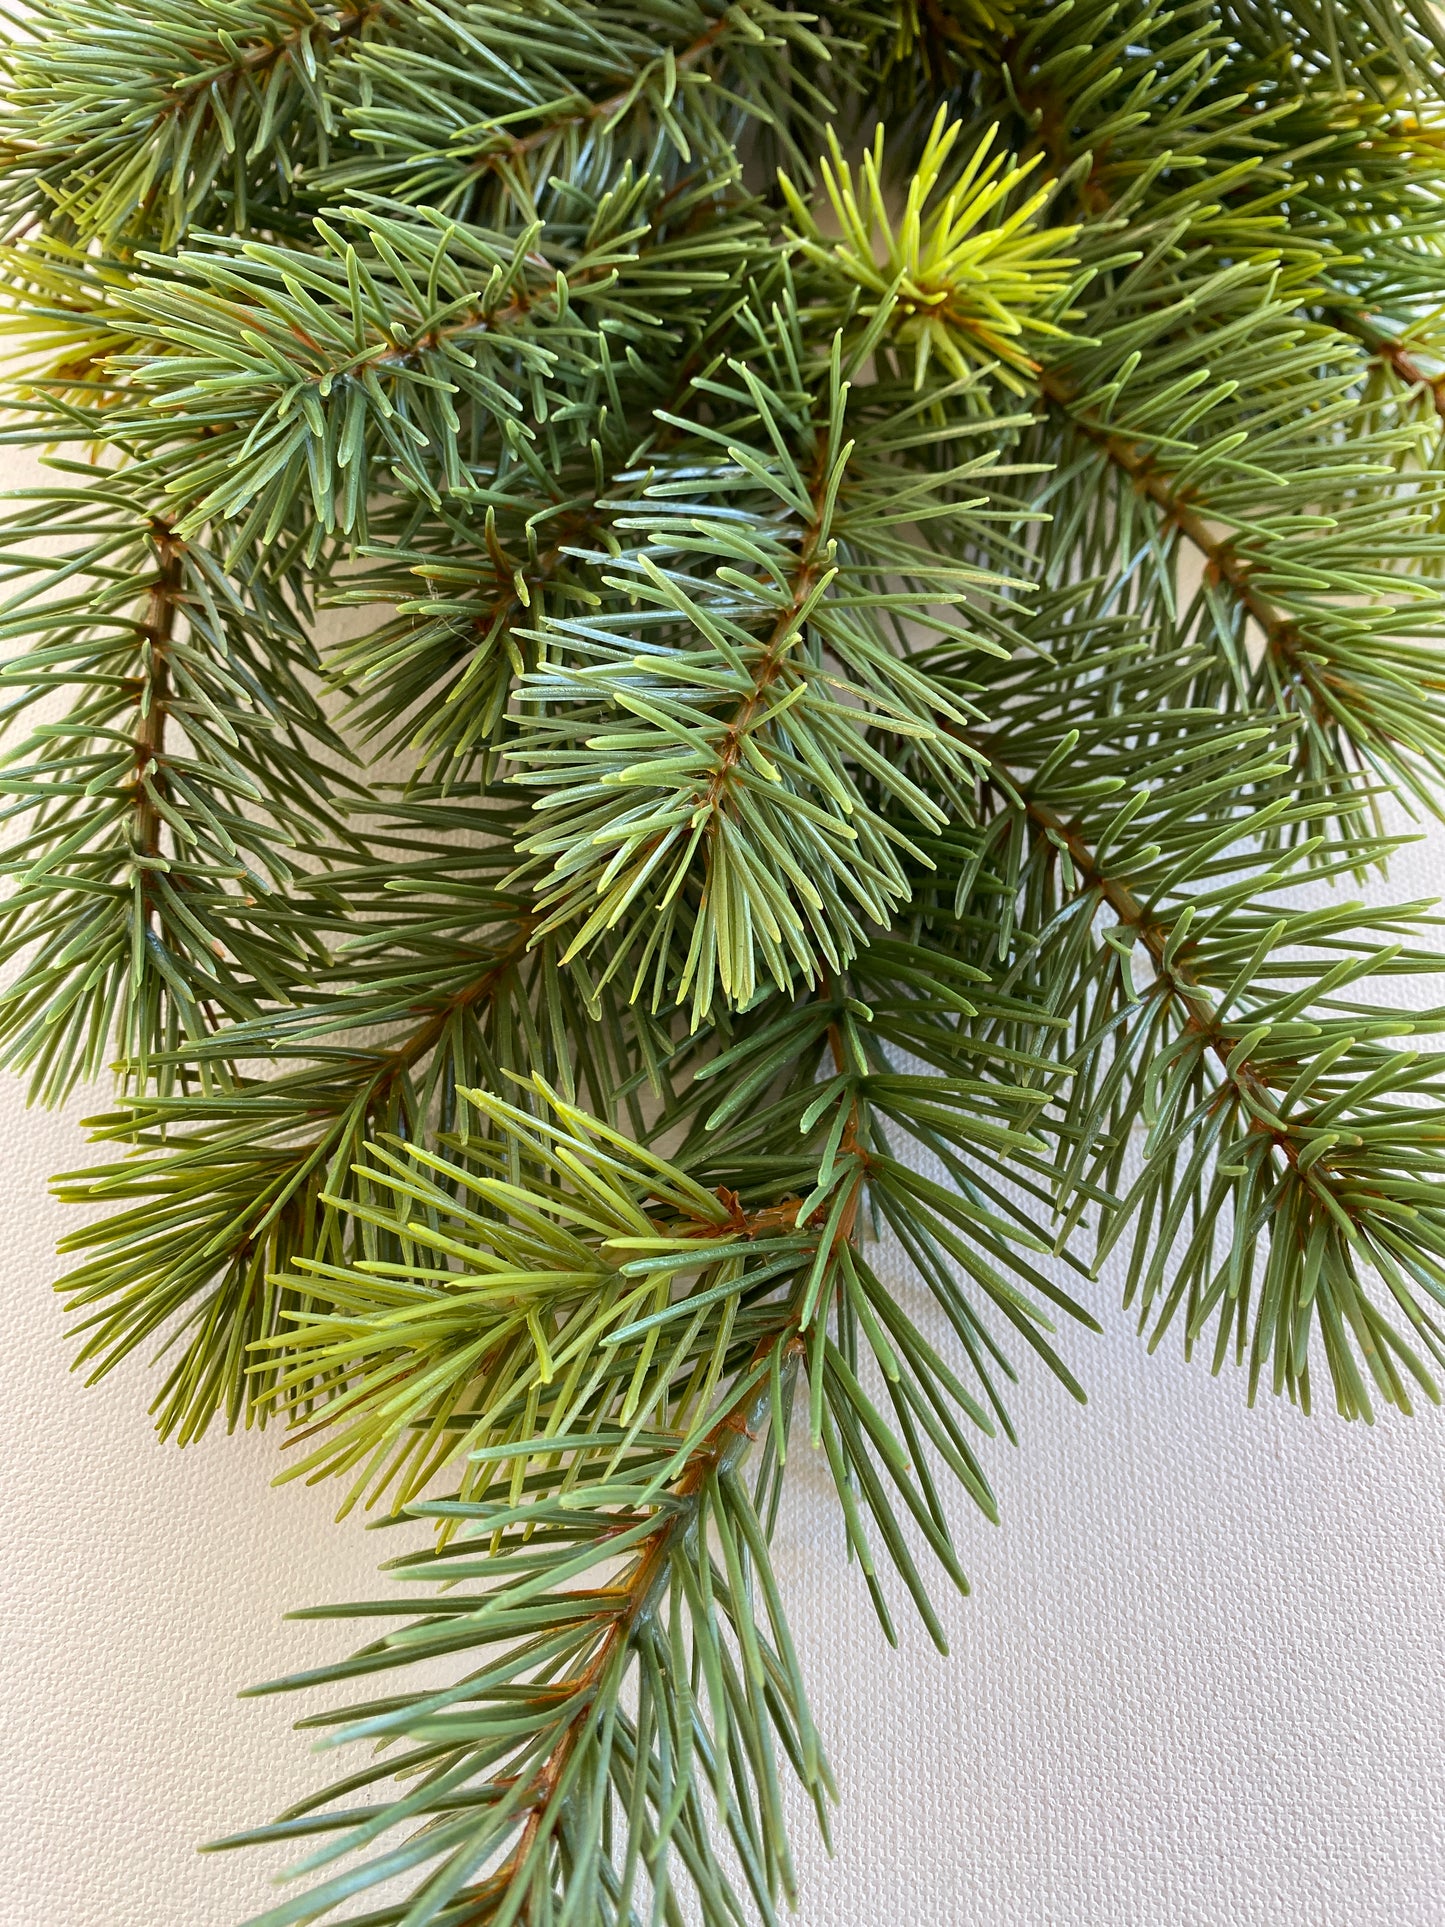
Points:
(1199, 1683)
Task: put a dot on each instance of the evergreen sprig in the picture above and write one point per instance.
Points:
(883, 546)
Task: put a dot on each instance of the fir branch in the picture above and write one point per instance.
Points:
(810, 562)
(714, 1457)
(579, 1749)
(1332, 1204)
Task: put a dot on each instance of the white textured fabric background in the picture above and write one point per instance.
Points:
(1199, 1683)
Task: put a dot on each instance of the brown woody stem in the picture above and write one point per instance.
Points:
(1221, 558)
(725, 1442)
(1200, 1014)
(597, 110)
(157, 629)
(1390, 350)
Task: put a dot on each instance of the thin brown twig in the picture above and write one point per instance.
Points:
(642, 1588)
(1222, 560)
(158, 629)
(1173, 973)
(769, 664)
(1392, 351)
(519, 146)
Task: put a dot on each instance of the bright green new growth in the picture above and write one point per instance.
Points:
(881, 542)
(963, 273)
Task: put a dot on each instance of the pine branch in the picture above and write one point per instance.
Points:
(665, 1483)
(1347, 1160)
(147, 885)
(827, 809)
(1201, 1016)
(1355, 680)
(223, 1205)
(728, 1437)
(680, 62)
(575, 1735)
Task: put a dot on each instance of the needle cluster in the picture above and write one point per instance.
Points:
(658, 640)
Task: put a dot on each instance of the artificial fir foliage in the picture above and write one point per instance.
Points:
(880, 543)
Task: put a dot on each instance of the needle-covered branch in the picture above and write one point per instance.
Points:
(888, 559)
(1285, 1181)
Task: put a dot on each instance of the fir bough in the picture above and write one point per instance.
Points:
(888, 537)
